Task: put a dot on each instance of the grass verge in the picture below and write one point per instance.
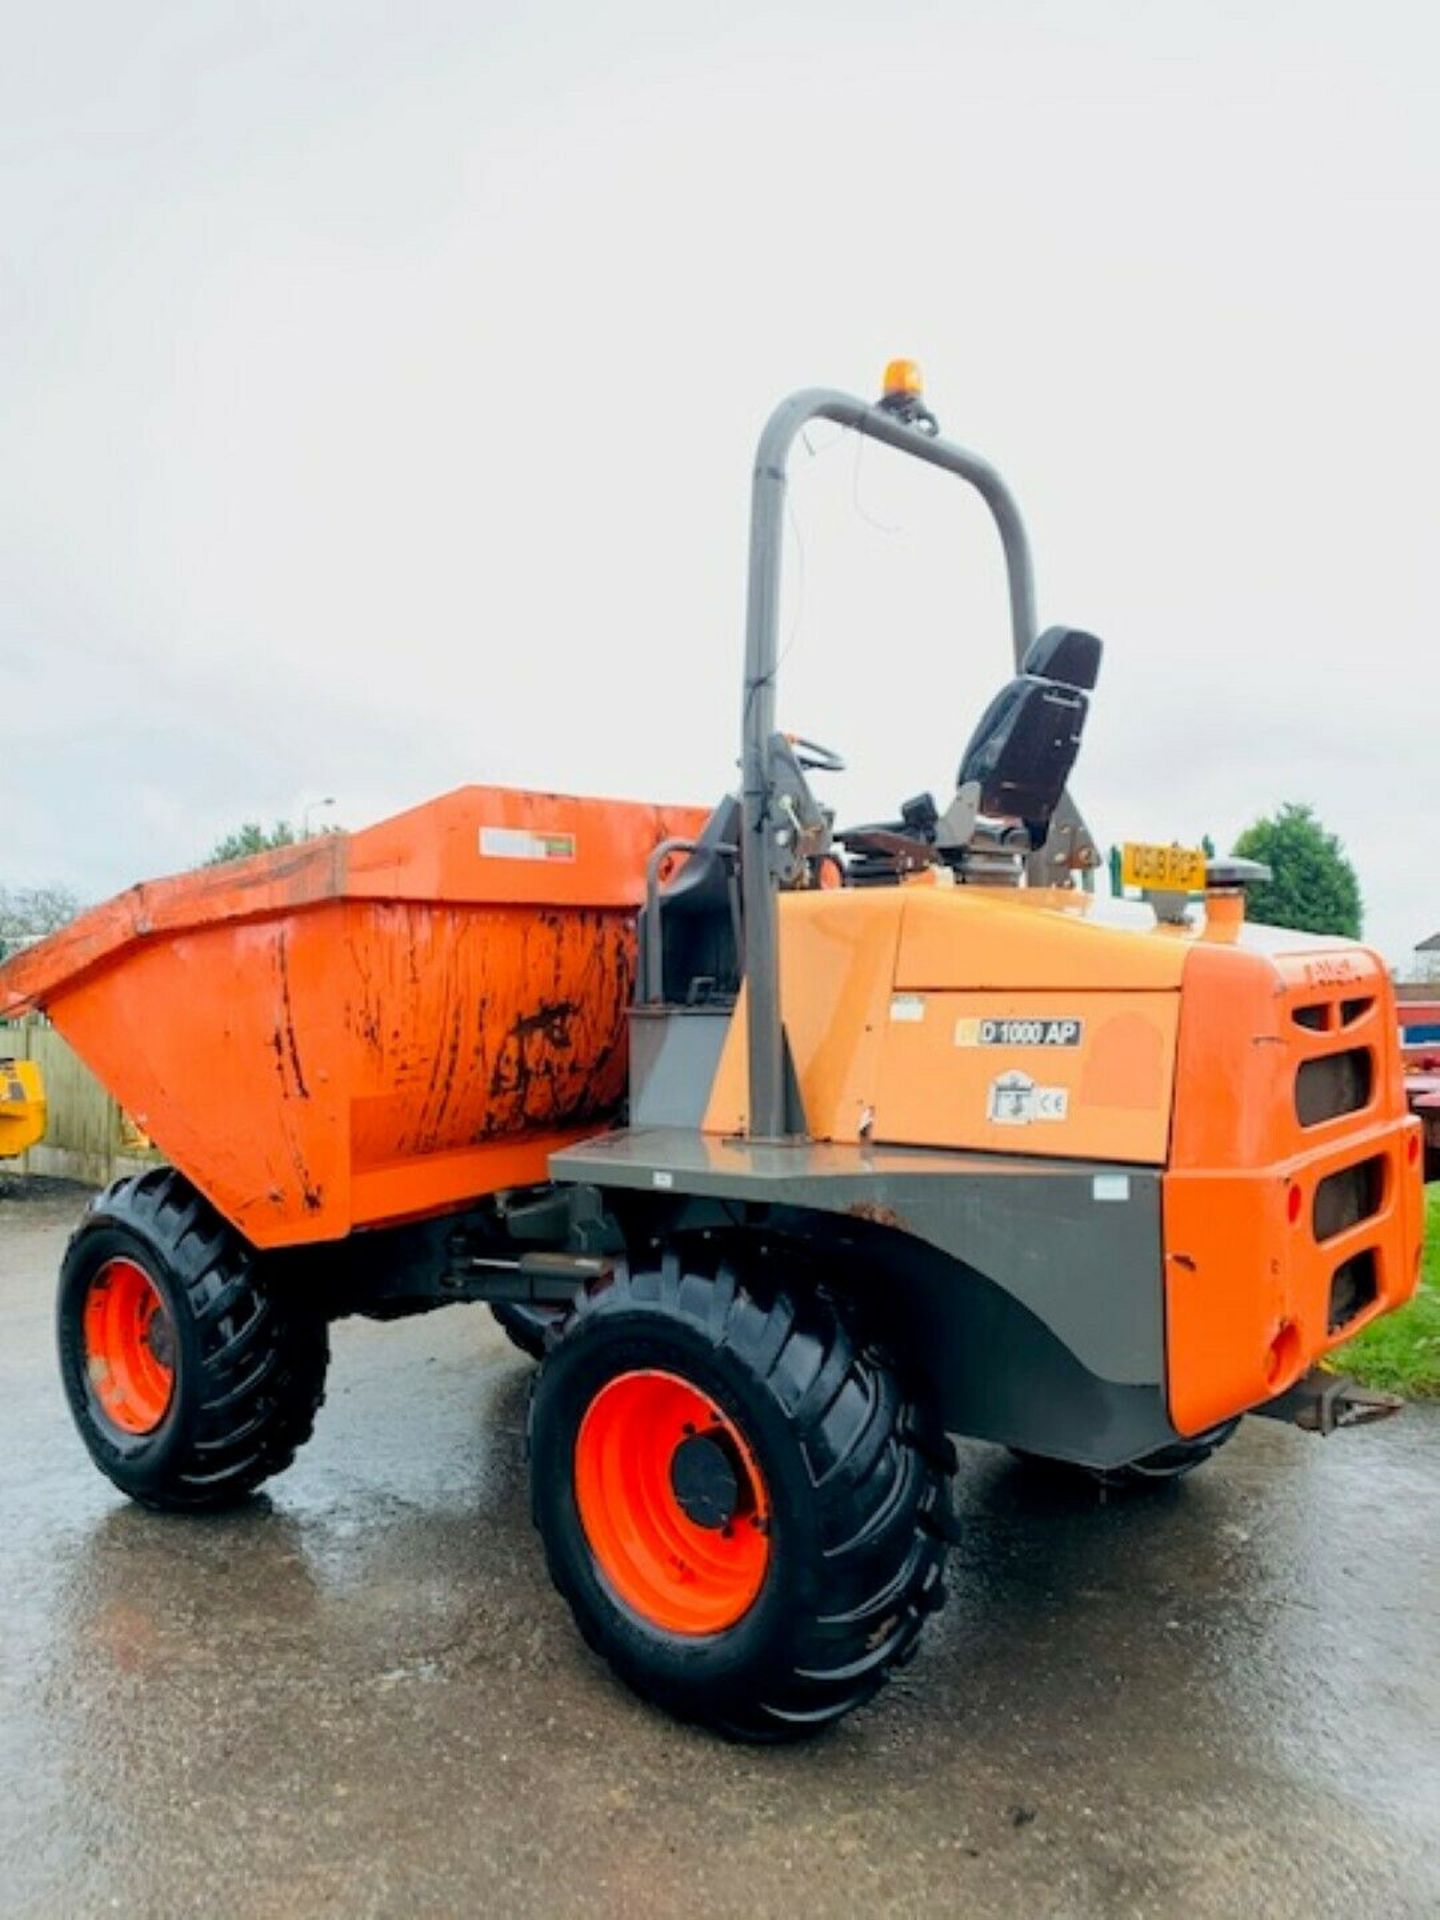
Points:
(1401, 1353)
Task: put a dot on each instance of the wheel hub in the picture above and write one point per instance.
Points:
(160, 1339)
(129, 1348)
(705, 1477)
(673, 1503)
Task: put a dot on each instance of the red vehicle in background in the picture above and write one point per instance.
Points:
(1420, 1045)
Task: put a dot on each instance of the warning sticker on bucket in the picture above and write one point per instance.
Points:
(519, 843)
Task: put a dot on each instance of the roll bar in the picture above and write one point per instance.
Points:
(758, 875)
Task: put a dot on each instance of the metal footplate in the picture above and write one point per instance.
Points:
(1320, 1402)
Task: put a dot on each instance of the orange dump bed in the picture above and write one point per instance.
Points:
(373, 1026)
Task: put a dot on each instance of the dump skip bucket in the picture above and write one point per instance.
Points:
(373, 1026)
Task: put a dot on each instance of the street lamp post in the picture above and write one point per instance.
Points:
(312, 806)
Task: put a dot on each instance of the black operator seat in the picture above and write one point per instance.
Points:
(1021, 753)
(697, 914)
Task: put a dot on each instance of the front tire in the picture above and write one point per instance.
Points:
(190, 1378)
(744, 1511)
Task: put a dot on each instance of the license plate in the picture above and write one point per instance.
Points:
(1162, 869)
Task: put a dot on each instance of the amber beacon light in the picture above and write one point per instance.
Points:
(904, 396)
(903, 377)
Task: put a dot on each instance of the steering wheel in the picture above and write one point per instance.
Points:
(813, 757)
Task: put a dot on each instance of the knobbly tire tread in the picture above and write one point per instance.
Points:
(252, 1367)
(870, 1550)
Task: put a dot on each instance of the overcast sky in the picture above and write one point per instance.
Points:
(379, 384)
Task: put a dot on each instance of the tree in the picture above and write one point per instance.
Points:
(1314, 888)
(250, 838)
(30, 913)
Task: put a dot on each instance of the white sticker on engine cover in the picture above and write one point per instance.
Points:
(1015, 1101)
(907, 1006)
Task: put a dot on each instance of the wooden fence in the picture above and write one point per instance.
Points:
(87, 1137)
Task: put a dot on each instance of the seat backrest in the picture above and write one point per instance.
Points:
(1065, 654)
(1021, 753)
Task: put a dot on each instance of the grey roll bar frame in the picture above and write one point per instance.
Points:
(765, 1036)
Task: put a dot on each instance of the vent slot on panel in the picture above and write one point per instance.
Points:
(1333, 1084)
(1316, 1016)
(1346, 1198)
(1355, 1286)
(1353, 1010)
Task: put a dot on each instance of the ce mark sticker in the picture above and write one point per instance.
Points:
(1028, 1032)
(1016, 1101)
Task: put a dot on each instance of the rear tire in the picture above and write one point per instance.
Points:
(824, 1456)
(190, 1378)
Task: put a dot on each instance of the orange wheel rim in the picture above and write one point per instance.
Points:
(672, 1502)
(129, 1347)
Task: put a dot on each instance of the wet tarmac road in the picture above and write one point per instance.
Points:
(360, 1696)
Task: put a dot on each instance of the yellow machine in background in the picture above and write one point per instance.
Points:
(22, 1107)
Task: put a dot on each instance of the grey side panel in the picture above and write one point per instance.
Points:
(1031, 1290)
(674, 1053)
(1088, 1267)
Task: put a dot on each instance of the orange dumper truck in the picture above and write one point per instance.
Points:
(788, 1150)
